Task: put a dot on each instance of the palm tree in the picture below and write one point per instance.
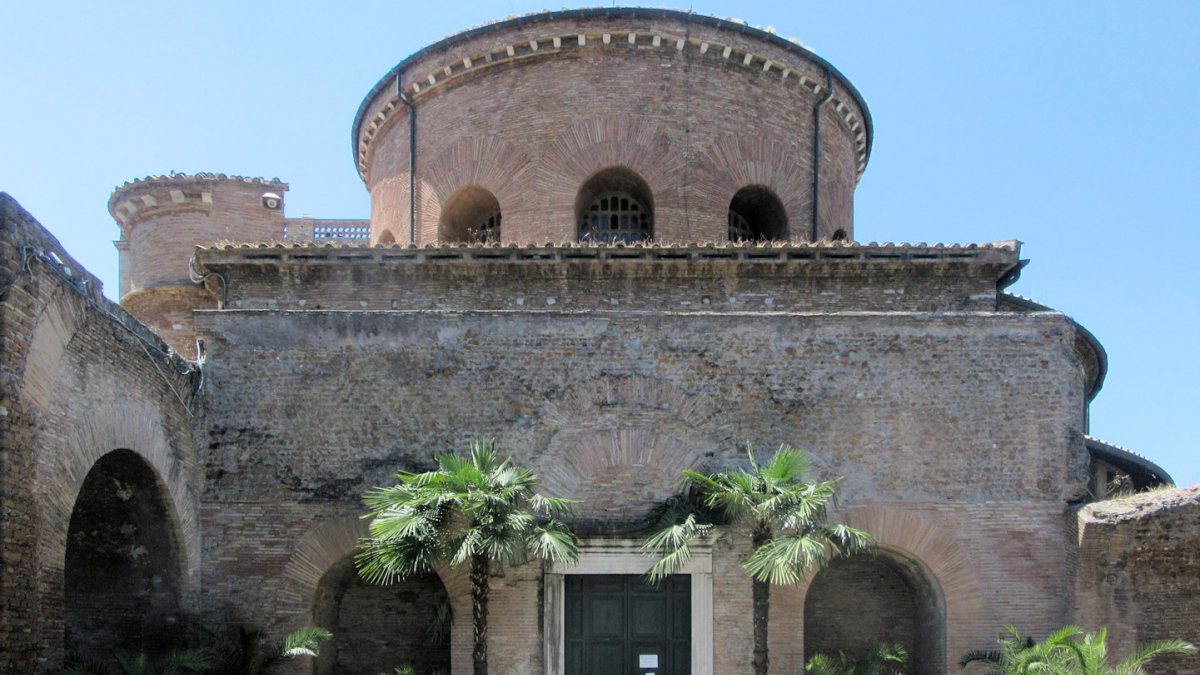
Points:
(474, 510)
(787, 520)
(1069, 651)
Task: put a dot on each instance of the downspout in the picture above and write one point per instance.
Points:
(816, 184)
(412, 160)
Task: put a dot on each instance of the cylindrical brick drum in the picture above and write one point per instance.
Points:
(612, 125)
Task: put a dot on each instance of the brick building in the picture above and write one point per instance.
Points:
(621, 242)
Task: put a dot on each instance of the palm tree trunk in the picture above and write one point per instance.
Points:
(762, 612)
(479, 610)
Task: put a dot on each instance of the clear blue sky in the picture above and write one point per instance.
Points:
(1067, 125)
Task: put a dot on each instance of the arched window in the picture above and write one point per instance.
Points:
(615, 205)
(856, 604)
(840, 235)
(756, 214)
(472, 214)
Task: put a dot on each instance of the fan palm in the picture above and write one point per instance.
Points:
(787, 520)
(1069, 651)
(473, 510)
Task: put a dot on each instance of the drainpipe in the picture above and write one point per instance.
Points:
(816, 184)
(412, 160)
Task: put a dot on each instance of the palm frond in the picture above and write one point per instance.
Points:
(1143, 654)
(185, 661)
(786, 467)
(554, 541)
(846, 540)
(304, 642)
(552, 506)
(785, 559)
(672, 546)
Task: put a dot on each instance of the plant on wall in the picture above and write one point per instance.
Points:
(471, 510)
(785, 516)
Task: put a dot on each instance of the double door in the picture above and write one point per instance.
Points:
(617, 624)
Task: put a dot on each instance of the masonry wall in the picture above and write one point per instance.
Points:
(963, 427)
(1139, 572)
(659, 106)
(697, 279)
(79, 378)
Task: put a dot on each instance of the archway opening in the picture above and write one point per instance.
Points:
(472, 214)
(377, 628)
(387, 238)
(615, 206)
(857, 604)
(123, 569)
(756, 214)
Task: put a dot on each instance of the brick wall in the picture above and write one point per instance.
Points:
(79, 378)
(967, 422)
(686, 279)
(1139, 572)
(695, 121)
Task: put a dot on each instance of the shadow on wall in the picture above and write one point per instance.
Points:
(857, 603)
(376, 628)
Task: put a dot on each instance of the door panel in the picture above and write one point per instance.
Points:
(614, 622)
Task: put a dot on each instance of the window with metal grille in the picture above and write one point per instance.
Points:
(756, 214)
(615, 217)
(486, 232)
(739, 228)
(341, 232)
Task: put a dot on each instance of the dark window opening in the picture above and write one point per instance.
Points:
(756, 214)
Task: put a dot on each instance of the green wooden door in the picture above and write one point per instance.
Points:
(616, 624)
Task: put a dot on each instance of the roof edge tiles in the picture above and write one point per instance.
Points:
(176, 178)
(1128, 460)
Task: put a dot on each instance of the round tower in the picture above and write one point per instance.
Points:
(163, 219)
(612, 125)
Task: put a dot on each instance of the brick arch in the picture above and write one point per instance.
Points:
(131, 425)
(619, 443)
(59, 473)
(318, 549)
(912, 540)
(321, 548)
(485, 161)
(735, 162)
(590, 145)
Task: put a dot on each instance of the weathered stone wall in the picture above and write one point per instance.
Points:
(79, 378)
(969, 423)
(674, 279)
(1139, 572)
(697, 108)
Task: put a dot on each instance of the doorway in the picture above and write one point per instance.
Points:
(619, 624)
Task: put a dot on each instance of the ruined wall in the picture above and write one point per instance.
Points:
(968, 423)
(1139, 572)
(79, 378)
